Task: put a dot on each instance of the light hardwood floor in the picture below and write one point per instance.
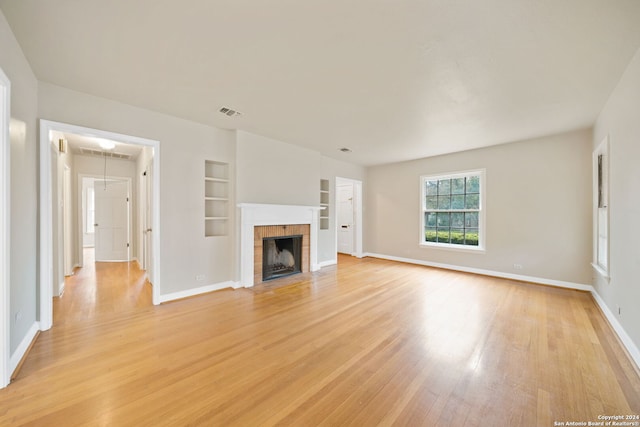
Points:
(369, 342)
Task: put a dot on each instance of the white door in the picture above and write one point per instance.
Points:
(111, 220)
(344, 193)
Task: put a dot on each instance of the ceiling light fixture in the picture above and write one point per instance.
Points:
(105, 144)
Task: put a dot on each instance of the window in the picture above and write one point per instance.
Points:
(452, 210)
(601, 207)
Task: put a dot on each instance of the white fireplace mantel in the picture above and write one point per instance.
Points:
(256, 214)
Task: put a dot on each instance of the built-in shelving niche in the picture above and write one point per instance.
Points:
(324, 203)
(216, 198)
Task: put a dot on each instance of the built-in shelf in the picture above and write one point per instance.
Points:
(216, 198)
(324, 203)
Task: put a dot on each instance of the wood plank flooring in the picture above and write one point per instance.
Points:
(368, 342)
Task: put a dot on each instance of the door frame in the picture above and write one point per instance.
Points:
(5, 231)
(357, 213)
(45, 308)
(80, 212)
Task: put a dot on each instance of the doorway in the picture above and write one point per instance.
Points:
(349, 216)
(47, 128)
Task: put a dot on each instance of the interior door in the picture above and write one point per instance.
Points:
(112, 220)
(344, 193)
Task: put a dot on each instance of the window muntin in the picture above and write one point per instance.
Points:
(452, 210)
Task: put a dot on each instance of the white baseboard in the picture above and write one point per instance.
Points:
(328, 263)
(17, 356)
(633, 350)
(196, 291)
(61, 289)
(519, 277)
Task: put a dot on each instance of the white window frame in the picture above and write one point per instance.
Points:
(481, 211)
(601, 218)
(5, 232)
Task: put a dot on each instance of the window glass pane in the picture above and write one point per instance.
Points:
(457, 220)
(430, 219)
(457, 202)
(432, 202)
(457, 186)
(443, 219)
(457, 236)
(444, 202)
(443, 235)
(471, 220)
(472, 201)
(471, 236)
(473, 184)
(444, 186)
(431, 188)
(430, 234)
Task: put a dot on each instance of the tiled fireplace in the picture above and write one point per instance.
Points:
(260, 222)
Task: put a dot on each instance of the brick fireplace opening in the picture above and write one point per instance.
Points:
(281, 256)
(282, 237)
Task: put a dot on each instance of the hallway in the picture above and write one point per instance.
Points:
(101, 288)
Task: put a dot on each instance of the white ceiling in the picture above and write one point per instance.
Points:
(392, 80)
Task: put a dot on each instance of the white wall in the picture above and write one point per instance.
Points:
(184, 145)
(619, 120)
(271, 171)
(24, 209)
(538, 208)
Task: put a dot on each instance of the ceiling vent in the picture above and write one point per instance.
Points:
(100, 153)
(229, 112)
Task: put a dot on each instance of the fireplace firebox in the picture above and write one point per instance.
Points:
(281, 256)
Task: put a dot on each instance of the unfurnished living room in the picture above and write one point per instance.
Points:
(319, 213)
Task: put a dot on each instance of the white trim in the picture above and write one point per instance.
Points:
(5, 230)
(45, 238)
(198, 291)
(601, 271)
(328, 263)
(483, 272)
(633, 350)
(17, 355)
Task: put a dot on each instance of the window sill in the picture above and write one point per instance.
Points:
(602, 272)
(455, 248)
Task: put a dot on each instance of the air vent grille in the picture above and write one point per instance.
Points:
(229, 112)
(100, 153)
